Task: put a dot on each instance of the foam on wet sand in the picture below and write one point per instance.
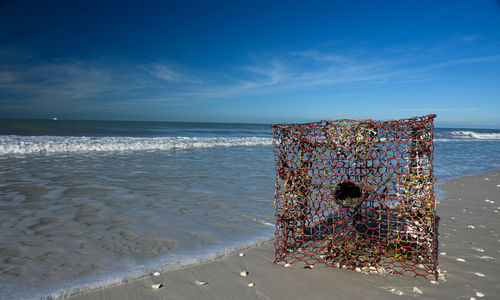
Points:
(475, 276)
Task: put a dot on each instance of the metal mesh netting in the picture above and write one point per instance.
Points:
(357, 195)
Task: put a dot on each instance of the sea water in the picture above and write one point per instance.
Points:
(85, 204)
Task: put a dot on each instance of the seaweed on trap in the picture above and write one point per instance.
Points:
(357, 195)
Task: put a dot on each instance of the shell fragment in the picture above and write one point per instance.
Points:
(157, 286)
(484, 257)
(396, 291)
(200, 282)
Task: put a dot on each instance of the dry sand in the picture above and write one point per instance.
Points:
(469, 231)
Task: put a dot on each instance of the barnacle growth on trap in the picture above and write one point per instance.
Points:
(357, 195)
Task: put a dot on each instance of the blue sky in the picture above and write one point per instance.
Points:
(251, 61)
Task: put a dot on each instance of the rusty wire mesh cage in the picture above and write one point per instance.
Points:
(357, 195)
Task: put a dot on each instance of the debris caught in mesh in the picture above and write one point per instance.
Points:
(357, 195)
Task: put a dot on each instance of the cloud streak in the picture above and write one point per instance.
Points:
(61, 79)
(321, 69)
(169, 73)
(173, 83)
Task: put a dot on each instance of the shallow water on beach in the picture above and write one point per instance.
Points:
(65, 218)
(107, 208)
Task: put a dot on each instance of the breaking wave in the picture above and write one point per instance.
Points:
(14, 144)
(476, 135)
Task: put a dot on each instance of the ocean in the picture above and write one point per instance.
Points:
(86, 204)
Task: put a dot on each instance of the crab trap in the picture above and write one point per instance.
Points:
(357, 195)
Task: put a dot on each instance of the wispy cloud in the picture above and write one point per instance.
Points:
(314, 68)
(169, 73)
(68, 79)
(468, 60)
(321, 57)
(73, 79)
(282, 73)
(469, 38)
(270, 73)
(296, 71)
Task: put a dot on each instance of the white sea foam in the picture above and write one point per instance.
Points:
(127, 215)
(13, 144)
(476, 135)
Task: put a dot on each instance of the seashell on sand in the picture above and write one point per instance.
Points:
(241, 254)
(471, 227)
(251, 284)
(484, 257)
(244, 273)
(460, 259)
(201, 282)
(479, 294)
(416, 290)
(434, 282)
(442, 253)
(479, 274)
(156, 286)
(287, 265)
(156, 274)
(396, 291)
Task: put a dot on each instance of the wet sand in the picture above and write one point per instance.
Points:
(469, 247)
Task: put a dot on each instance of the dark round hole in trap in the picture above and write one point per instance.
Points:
(348, 194)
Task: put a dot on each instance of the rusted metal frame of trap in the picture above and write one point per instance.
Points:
(357, 195)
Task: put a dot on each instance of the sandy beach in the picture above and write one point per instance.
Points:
(468, 246)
